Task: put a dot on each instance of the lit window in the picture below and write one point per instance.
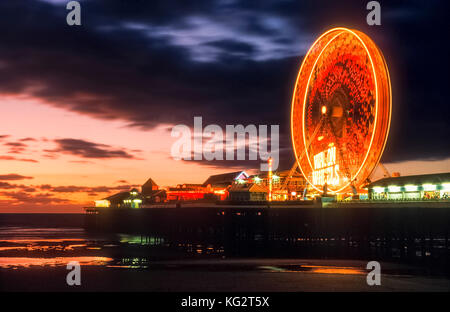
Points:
(102, 203)
(394, 189)
(378, 189)
(429, 187)
(411, 188)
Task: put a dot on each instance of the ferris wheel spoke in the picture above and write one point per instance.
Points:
(313, 136)
(341, 154)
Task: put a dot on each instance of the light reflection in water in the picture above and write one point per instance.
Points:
(316, 269)
(140, 239)
(49, 240)
(15, 262)
(131, 263)
(335, 270)
(39, 247)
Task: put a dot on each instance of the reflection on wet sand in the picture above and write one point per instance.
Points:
(21, 248)
(316, 269)
(35, 247)
(335, 270)
(26, 262)
(38, 240)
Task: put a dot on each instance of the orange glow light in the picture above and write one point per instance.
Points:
(345, 70)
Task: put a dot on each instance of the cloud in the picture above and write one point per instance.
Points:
(21, 187)
(35, 199)
(284, 154)
(27, 139)
(47, 194)
(168, 86)
(6, 185)
(13, 177)
(85, 189)
(67, 189)
(207, 38)
(231, 46)
(15, 144)
(86, 149)
(18, 159)
(163, 62)
(15, 147)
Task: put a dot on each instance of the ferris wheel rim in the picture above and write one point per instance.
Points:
(352, 177)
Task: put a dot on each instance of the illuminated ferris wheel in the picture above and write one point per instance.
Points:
(341, 110)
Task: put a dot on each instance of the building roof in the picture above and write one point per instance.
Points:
(149, 183)
(437, 178)
(186, 189)
(247, 187)
(224, 179)
(281, 174)
(190, 185)
(154, 193)
(118, 196)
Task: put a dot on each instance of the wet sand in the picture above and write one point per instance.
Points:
(215, 275)
(34, 259)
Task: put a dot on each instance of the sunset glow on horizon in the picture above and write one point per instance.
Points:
(42, 173)
(54, 160)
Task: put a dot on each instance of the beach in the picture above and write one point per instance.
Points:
(34, 256)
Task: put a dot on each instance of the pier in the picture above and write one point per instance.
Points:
(414, 232)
